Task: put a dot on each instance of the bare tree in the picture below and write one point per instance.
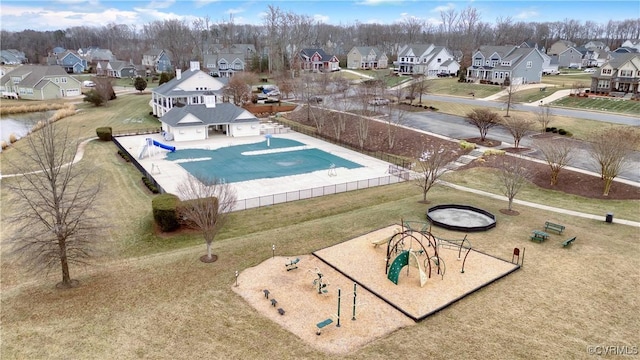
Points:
(430, 166)
(483, 119)
(57, 223)
(422, 87)
(239, 87)
(511, 90)
(610, 149)
(513, 176)
(395, 120)
(518, 128)
(543, 116)
(206, 205)
(557, 154)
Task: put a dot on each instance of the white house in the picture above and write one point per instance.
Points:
(186, 88)
(427, 60)
(201, 121)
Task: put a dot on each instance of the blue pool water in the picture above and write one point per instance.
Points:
(229, 163)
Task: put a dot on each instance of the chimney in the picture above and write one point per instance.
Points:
(194, 65)
(178, 74)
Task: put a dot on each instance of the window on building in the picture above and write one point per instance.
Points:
(606, 71)
(626, 73)
(64, 80)
(529, 64)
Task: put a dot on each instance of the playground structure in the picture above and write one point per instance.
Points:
(151, 146)
(320, 282)
(400, 246)
(461, 218)
(359, 264)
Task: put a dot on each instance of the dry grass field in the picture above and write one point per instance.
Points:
(169, 305)
(148, 295)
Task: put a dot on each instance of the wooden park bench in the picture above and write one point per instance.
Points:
(568, 242)
(323, 324)
(555, 227)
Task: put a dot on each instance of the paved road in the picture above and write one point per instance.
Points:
(457, 128)
(581, 114)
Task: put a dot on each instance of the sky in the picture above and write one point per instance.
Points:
(17, 15)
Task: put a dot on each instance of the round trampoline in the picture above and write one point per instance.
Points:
(461, 218)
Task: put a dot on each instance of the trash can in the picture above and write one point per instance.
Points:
(609, 218)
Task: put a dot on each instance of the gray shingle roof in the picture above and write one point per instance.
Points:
(310, 52)
(225, 113)
(32, 74)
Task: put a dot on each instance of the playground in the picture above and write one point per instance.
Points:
(302, 291)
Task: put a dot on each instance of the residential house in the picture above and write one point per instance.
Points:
(366, 57)
(58, 50)
(157, 61)
(620, 76)
(559, 46)
(224, 65)
(188, 87)
(70, 61)
(94, 54)
(549, 64)
(37, 82)
(494, 64)
(632, 44)
(596, 45)
(12, 57)
(429, 60)
(625, 50)
(116, 69)
(571, 57)
(317, 60)
(533, 45)
(199, 121)
(594, 57)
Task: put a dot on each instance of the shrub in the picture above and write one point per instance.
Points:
(547, 129)
(568, 134)
(104, 133)
(562, 131)
(150, 185)
(554, 130)
(13, 138)
(165, 211)
(3, 144)
(464, 145)
(493, 152)
(125, 156)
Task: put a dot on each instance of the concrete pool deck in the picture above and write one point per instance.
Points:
(169, 173)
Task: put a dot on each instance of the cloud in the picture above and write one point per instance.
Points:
(378, 2)
(441, 8)
(43, 19)
(321, 18)
(201, 3)
(160, 4)
(527, 14)
(234, 11)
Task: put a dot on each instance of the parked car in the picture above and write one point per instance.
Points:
(590, 70)
(550, 72)
(88, 83)
(315, 99)
(378, 101)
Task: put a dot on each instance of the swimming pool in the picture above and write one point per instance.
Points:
(283, 157)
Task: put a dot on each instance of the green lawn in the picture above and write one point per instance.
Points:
(451, 86)
(600, 104)
(567, 81)
(532, 95)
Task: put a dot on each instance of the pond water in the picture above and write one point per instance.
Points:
(20, 124)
